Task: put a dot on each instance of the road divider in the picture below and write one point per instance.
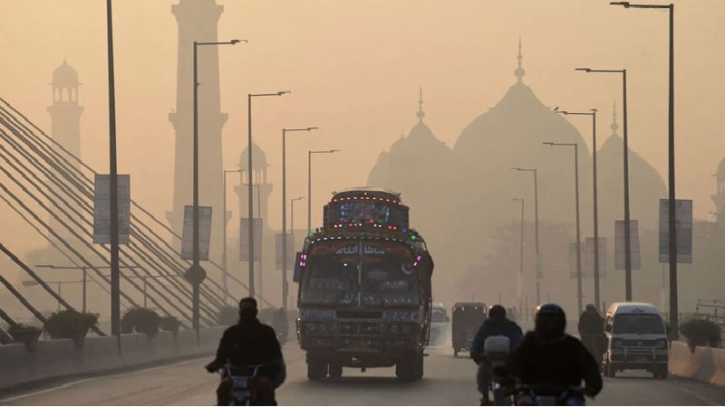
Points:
(704, 364)
(61, 358)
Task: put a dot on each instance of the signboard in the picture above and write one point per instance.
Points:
(683, 226)
(290, 250)
(102, 209)
(619, 261)
(573, 260)
(187, 241)
(588, 262)
(244, 239)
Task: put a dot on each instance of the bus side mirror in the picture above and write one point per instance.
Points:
(300, 263)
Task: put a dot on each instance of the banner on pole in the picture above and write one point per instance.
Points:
(588, 268)
(573, 260)
(619, 261)
(290, 251)
(187, 241)
(244, 239)
(102, 209)
(683, 227)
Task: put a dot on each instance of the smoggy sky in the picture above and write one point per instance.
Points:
(355, 68)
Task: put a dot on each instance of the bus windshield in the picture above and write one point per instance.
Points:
(365, 275)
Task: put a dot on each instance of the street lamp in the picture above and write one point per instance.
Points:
(671, 159)
(520, 281)
(309, 184)
(627, 238)
(196, 273)
(284, 210)
(578, 234)
(33, 283)
(250, 177)
(224, 235)
(536, 228)
(85, 276)
(593, 114)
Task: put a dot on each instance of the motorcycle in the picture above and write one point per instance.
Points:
(496, 352)
(540, 394)
(248, 386)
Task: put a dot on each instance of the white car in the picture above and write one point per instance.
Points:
(637, 339)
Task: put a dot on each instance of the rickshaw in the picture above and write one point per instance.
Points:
(467, 318)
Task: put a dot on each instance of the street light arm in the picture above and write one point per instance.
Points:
(232, 42)
(627, 4)
(280, 93)
(590, 70)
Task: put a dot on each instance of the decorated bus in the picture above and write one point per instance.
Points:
(364, 288)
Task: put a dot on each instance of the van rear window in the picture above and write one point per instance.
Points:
(638, 324)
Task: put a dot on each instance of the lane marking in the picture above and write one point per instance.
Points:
(77, 382)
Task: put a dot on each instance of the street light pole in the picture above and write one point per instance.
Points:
(250, 176)
(292, 230)
(309, 184)
(674, 317)
(115, 274)
(593, 114)
(536, 228)
(578, 233)
(285, 287)
(198, 271)
(521, 260)
(625, 139)
(225, 271)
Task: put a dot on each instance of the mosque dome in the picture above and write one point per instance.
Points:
(259, 159)
(65, 76)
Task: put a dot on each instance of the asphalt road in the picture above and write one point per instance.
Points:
(447, 381)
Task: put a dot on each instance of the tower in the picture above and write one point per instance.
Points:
(65, 113)
(719, 197)
(261, 188)
(65, 117)
(197, 21)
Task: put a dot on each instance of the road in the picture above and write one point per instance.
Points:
(448, 381)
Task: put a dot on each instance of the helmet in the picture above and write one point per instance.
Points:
(591, 307)
(550, 322)
(497, 313)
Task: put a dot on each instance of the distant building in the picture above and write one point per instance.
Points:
(719, 197)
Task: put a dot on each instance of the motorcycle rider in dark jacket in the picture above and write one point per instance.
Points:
(591, 332)
(496, 325)
(550, 357)
(249, 342)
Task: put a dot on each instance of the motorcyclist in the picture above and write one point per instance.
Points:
(249, 342)
(496, 324)
(591, 332)
(550, 357)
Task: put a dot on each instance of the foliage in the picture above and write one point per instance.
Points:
(22, 328)
(228, 315)
(142, 320)
(698, 329)
(69, 324)
(169, 323)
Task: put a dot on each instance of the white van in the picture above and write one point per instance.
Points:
(637, 339)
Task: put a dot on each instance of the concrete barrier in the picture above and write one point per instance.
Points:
(704, 364)
(186, 343)
(210, 337)
(99, 353)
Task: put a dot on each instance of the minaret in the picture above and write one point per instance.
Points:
(197, 21)
(262, 189)
(65, 113)
(65, 117)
